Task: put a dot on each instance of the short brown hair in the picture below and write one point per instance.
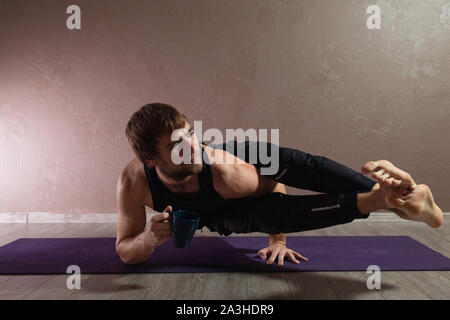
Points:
(148, 124)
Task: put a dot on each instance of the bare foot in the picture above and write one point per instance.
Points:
(389, 175)
(417, 205)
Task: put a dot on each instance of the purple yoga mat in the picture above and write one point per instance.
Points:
(220, 254)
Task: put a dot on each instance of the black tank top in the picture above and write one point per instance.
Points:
(207, 203)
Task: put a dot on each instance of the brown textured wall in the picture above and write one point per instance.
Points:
(310, 68)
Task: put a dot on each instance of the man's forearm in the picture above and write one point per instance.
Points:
(135, 250)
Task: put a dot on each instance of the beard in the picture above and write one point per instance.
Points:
(182, 172)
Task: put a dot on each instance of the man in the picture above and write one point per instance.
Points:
(233, 197)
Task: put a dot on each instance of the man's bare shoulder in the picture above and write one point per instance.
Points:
(132, 181)
(223, 163)
(232, 177)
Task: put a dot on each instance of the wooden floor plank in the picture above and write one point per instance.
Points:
(90, 230)
(310, 286)
(99, 287)
(22, 230)
(11, 228)
(139, 286)
(444, 230)
(4, 278)
(18, 286)
(225, 286)
(395, 286)
(267, 286)
(54, 231)
(53, 289)
(433, 283)
(178, 286)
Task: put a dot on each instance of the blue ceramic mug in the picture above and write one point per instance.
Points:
(184, 224)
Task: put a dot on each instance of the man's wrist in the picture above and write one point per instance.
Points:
(279, 237)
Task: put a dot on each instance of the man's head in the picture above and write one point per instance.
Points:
(149, 132)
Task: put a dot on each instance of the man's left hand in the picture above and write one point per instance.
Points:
(279, 249)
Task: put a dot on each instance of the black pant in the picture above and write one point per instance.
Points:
(281, 213)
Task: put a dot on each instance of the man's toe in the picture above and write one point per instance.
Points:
(369, 167)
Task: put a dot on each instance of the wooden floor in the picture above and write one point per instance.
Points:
(291, 285)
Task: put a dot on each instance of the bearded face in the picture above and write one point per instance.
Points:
(183, 146)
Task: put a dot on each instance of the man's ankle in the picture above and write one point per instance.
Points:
(373, 200)
(363, 203)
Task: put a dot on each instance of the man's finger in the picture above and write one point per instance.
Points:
(166, 211)
(273, 255)
(262, 254)
(281, 257)
(300, 256)
(162, 216)
(292, 257)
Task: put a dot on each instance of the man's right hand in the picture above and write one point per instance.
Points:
(159, 228)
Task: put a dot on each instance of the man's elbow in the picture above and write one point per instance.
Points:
(125, 256)
(279, 187)
(127, 260)
(130, 255)
(130, 261)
